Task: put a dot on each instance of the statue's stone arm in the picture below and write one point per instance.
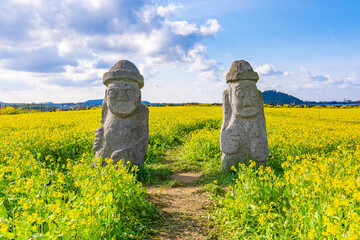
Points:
(230, 140)
(99, 132)
(135, 151)
(230, 137)
(99, 139)
(226, 110)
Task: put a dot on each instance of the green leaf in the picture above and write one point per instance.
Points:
(3, 211)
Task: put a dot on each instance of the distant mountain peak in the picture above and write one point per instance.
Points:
(276, 97)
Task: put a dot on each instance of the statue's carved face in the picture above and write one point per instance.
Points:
(123, 98)
(245, 99)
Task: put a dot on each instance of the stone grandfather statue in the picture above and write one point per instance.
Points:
(124, 131)
(243, 132)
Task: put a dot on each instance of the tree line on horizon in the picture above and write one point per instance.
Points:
(271, 97)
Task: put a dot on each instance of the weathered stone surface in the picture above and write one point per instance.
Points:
(243, 132)
(124, 131)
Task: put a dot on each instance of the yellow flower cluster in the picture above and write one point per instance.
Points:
(312, 189)
(49, 188)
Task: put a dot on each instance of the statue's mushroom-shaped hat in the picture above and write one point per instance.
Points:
(124, 70)
(241, 70)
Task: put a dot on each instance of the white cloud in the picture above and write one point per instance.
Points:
(270, 70)
(307, 75)
(198, 59)
(200, 62)
(70, 43)
(147, 71)
(71, 46)
(185, 28)
(310, 85)
(210, 28)
(151, 11)
(169, 10)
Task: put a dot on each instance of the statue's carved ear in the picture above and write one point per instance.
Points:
(104, 109)
(226, 96)
(261, 100)
(226, 108)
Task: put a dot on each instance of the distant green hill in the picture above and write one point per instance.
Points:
(275, 97)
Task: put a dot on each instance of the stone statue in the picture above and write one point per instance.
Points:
(243, 132)
(124, 131)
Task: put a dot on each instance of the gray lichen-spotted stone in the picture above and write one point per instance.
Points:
(243, 132)
(124, 131)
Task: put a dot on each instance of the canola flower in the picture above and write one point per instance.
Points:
(314, 193)
(310, 189)
(49, 188)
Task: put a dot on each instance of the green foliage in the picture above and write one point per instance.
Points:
(310, 189)
(50, 189)
(9, 110)
(275, 97)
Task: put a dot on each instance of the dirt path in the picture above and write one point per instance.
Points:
(183, 210)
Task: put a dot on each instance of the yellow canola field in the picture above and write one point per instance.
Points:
(311, 189)
(48, 187)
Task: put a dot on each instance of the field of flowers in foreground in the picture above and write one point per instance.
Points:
(318, 194)
(49, 189)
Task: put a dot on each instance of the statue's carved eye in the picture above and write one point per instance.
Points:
(130, 92)
(112, 92)
(240, 93)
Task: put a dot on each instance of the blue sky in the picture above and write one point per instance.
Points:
(58, 50)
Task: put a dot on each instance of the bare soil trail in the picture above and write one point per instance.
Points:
(183, 209)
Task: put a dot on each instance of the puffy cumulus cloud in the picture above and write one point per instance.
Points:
(312, 77)
(69, 43)
(72, 85)
(210, 28)
(313, 86)
(152, 11)
(307, 84)
(199, 60)
(207, 68)
(185, 28)
(270, 70)
(169, 10)
(147, 71)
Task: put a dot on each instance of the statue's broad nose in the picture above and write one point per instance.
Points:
(122, 96)
(247, 100)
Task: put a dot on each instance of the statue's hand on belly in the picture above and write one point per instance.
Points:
(121, 154)
(230, 140)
